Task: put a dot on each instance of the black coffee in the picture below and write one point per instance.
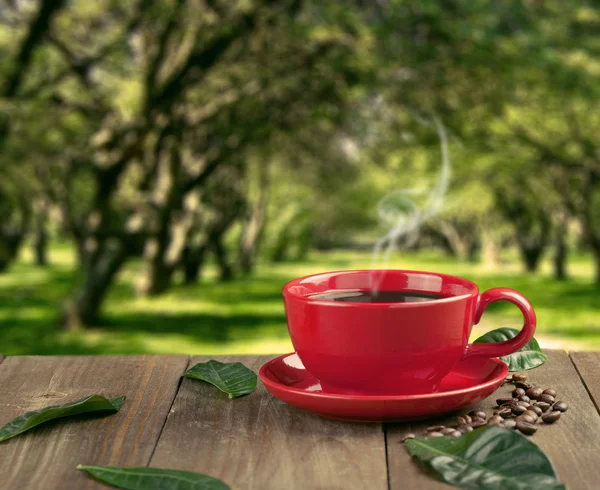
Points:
(356, 296)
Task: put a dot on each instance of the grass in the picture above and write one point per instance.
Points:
(246, 315)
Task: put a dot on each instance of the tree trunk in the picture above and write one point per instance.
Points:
(193, 262)
(596, 256)
(217, 247)
(9, 249)
(99, 272)
(304, 241)
(459, 246)
(157, 273)
(533, 236)
(254, 226)
(282, 245)
(40, 245)
(474, 249)
(490, 249)
(561, 251)
(157, 279)
(591, 191)
(531, 255)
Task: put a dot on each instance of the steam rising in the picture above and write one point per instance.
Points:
(399, 210)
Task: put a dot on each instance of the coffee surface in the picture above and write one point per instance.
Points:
(357, 296)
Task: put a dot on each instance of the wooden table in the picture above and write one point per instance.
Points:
(254, 442)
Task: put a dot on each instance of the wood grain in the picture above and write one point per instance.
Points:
(572, 443)
(257, 442)
(588, 367)
(46, 457)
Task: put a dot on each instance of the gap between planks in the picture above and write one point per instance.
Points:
(587, 365)
(257, 442)
(187, 366)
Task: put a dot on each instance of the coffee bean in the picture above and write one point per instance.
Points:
(518, 409)
(456, 433)
(524, 398)
(549, 391)
(560, 406)
(510, 423)
(477, 422)
(524, 385)
(435, 434)
(524, 403)
(546, 398)
(519, 377)
(463, 420)
(495, 420)
(543, 406)
(505, 412)
(478, 414)
(531, 413)
(508, 379)
(463, 429)
(436, 428)
(526, 427)
(517, 392)
(447, 430)
(534, 393)
(536, 409)
(526, 418)
(551, 417)
(409, 436)
(502, 401)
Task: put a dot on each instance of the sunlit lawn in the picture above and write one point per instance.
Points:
(246, 315)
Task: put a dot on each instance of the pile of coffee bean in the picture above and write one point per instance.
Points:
(528, 407)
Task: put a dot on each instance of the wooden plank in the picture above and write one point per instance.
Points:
(46, 457)
(572, 443)
(588, 367)
(257, 442)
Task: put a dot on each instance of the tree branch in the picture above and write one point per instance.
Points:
(163, 41)
(37, 30)
(202, 59)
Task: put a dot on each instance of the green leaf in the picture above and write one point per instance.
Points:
(489, 458)
(231, 377)
(153, 478)
(529, 357)
(93, 403)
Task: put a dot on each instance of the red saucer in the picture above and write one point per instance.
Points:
(469, 382)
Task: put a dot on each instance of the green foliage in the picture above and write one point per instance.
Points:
(152, 478)
(232, 378)
(528, 357)
(487, 458)
(92, 403)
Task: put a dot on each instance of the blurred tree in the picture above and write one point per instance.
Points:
(254, 220)
(179, 129)
(15, 214)
(152, 98)
(31, 25)
(515, 80)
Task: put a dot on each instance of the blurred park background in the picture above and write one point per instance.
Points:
(167, 165)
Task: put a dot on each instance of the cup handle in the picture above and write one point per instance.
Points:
(497, 349)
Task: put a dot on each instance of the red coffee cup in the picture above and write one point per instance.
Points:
(392, 348)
